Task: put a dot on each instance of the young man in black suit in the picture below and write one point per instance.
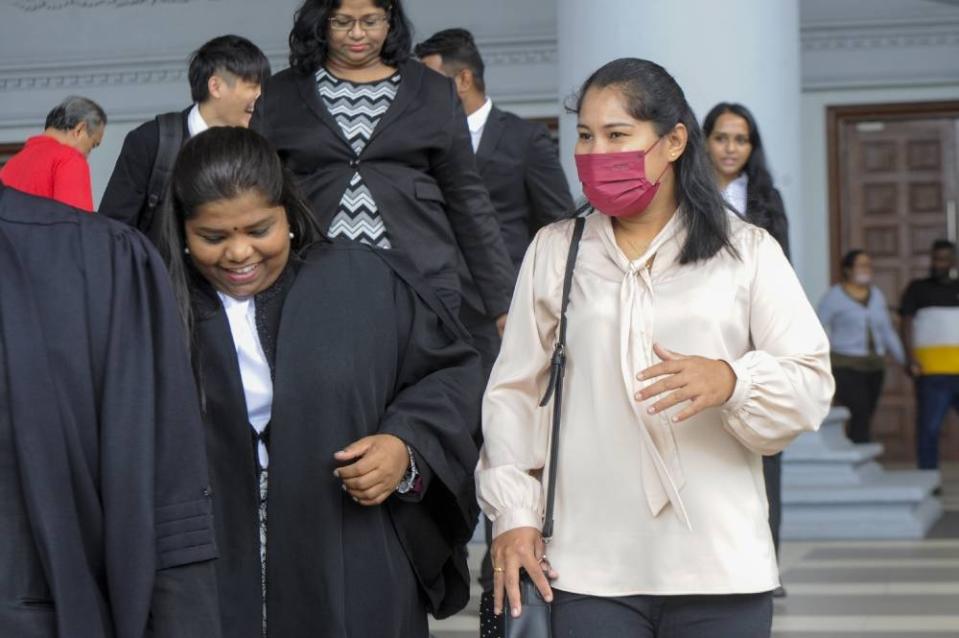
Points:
(225, 75)
(518, 162)
(516, 158)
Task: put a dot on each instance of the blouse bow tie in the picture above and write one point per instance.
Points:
(662, 472)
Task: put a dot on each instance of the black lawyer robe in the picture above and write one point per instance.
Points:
(362, 347)
(107, 433)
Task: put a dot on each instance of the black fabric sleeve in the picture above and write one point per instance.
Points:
(546, 185)
(437, 399)
(908, 305)
(434, 409)
(125, 195)
(471, 214)
(185, 603)
(157, 510)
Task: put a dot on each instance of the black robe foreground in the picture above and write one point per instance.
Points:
(361, 347)
(106, 529)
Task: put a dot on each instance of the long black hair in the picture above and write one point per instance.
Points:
(309, 39)
(224, 163)
(652, 95)
(764, 206)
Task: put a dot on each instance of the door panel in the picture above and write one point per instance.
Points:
(896, 187)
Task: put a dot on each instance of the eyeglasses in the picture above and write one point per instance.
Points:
(367, 23)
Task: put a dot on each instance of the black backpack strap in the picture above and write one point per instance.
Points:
(557, 371)
(170, 128)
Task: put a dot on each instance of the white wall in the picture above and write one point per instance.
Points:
(130, 55)
(706, 56)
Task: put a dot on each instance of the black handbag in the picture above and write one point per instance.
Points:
(534, 621)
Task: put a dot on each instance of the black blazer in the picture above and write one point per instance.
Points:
(419, 167)
(126, 193)
(517, 160)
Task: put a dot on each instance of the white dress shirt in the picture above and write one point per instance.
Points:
(643, 505)
(195, 122)
(735, 194)
(254, 368)
(477, 122)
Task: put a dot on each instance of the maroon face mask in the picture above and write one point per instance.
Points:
(616, 183)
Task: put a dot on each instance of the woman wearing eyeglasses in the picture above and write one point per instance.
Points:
(381, 149)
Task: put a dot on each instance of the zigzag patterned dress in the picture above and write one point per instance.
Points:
(358, 108)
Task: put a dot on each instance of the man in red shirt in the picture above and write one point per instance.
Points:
(54, 163)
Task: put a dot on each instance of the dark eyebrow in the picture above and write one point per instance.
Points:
(610, 125)
(204, 229)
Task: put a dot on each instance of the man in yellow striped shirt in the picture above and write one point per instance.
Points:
(930, 332)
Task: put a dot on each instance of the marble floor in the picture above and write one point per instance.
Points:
(852, 589)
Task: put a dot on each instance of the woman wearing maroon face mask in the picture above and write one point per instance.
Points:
(691, 352)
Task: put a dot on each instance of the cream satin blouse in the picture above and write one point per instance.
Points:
(644, 506)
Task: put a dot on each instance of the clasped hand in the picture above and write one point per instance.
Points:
(701, 382)
(376, 467)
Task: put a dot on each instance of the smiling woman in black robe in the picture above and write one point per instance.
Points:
(338, 392)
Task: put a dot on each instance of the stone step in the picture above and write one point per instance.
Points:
(910, 486)
(817, 474)
(834, 489)
(859, 521)
(801, 452)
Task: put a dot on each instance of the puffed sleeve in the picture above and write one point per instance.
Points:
(784, 385)
(515, 427)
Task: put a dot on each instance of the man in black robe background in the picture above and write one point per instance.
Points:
(105, 513)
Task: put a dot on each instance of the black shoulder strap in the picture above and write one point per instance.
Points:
(556, 373)
(170, 127)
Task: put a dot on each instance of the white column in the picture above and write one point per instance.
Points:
(743, 51)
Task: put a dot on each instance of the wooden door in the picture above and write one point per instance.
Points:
(895, 188)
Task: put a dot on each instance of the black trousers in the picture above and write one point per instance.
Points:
(858, 391)
(773, 475)
(727, 616)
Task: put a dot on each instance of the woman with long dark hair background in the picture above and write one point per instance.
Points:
(739, 163)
